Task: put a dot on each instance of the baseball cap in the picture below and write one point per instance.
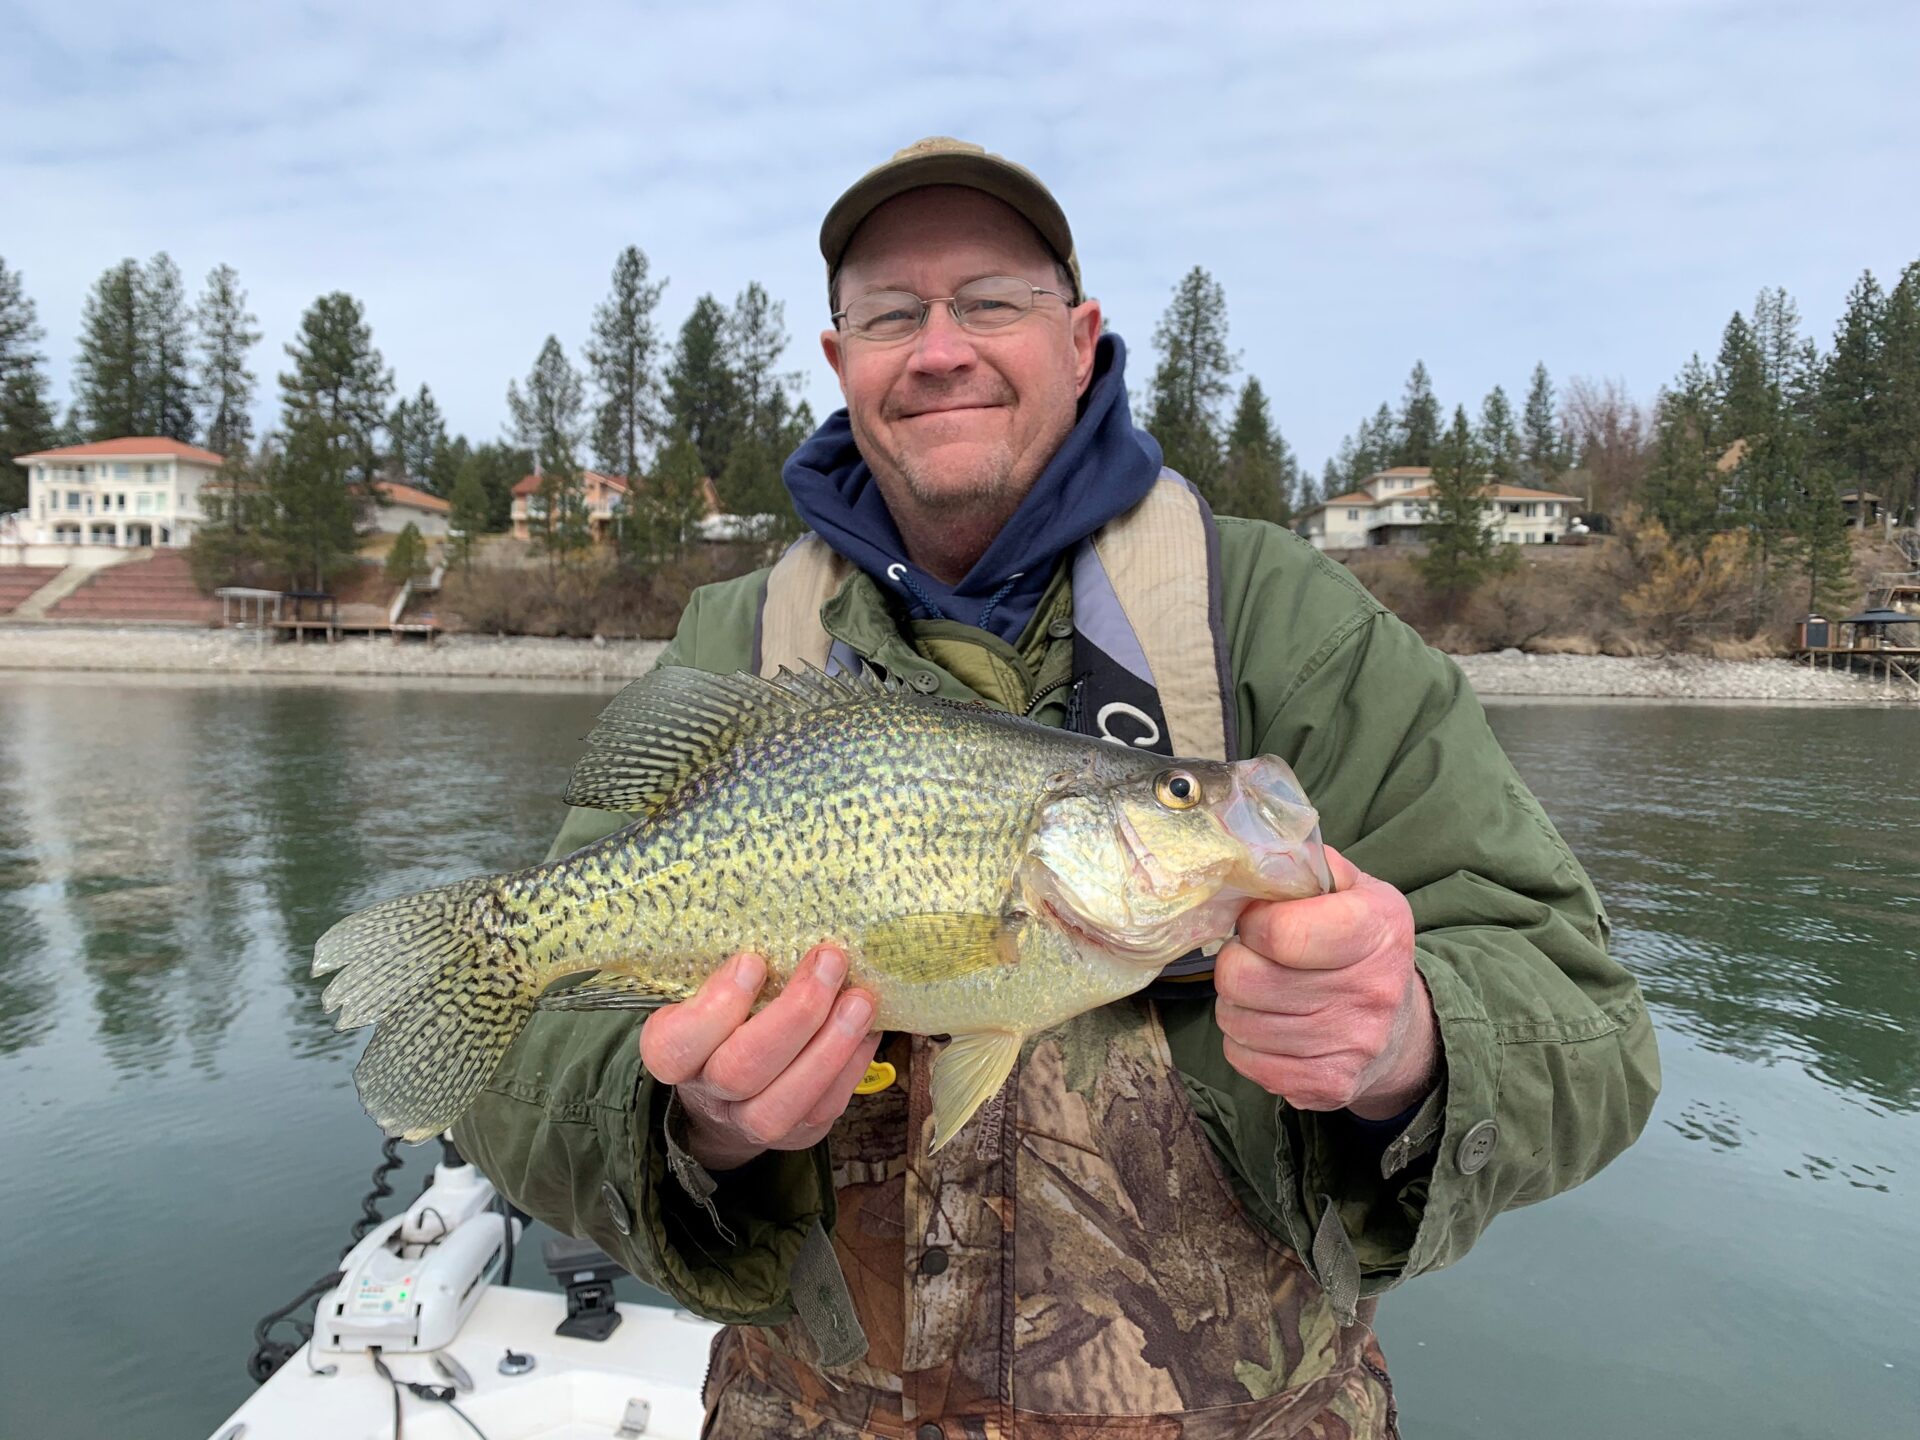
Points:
(943, 160)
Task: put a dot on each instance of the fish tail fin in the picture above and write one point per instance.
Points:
(446, 991)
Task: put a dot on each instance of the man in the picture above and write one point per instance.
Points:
(1177, 1216)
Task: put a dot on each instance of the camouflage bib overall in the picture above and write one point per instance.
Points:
(1075, 1263)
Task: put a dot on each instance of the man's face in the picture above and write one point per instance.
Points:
(949, 419)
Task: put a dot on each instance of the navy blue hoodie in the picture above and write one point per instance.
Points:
(1103, 469)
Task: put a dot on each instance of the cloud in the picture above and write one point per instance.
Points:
(1480, 185)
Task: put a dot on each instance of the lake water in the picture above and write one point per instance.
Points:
(181, 1150)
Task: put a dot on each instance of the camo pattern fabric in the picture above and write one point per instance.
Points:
(1074, 1264)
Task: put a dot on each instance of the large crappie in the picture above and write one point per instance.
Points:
(988, 877)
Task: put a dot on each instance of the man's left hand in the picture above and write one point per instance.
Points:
(1320, 1001)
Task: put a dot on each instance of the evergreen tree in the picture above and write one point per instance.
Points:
(407, 556)
(1897, 423)
(417, 439)
(1461, 549)
(333, 403)
(1261, 476)
(224, 385)
(623, 358)
(1419, 422)
(468, 514)
(767, 423)
(1852, 385)
(548, 418)
(26, 416)
(109, 380)
(1817, 525)
(166, 351)
(1776, 337)
(1744, 401)
(1499, 442)
(1545, 454)
(1378, 443)
(701, 401)
(1683, 489)
(662, 513)
(500, 467)
(1194, 375)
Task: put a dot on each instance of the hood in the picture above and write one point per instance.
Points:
(1105, 467)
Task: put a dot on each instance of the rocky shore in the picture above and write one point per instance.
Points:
(528, 658)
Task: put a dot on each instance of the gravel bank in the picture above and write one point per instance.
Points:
(480, 657)
(1674, 677)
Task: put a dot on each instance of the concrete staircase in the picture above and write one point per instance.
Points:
(17, 582)
(157, 590)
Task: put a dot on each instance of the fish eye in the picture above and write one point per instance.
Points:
(1177, 790)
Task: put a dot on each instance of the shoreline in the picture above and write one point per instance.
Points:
(520, 660)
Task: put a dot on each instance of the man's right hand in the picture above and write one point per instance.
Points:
(773, 1081)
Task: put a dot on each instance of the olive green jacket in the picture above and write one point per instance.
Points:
(1550, 1063)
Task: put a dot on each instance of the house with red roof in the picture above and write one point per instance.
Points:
(403, 505)
(139, 490)
(1393, 507)
(605, 497)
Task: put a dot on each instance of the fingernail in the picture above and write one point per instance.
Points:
(853, 1013)
(748, 972)
(829, 968)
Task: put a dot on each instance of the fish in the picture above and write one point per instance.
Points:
(986, 875)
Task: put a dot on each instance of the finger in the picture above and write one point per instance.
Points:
(1303, 1035)
(677, 1040)
(840, 1093)
(784, 1105)
(1328, 932)
(749, 1059)
(1344, 872)
(1320, 1082)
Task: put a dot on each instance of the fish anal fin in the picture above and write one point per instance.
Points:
(614, 990)
(967, 1073)
(931, 946)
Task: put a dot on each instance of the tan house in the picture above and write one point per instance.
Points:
(605, 495)
(403, 505)
(140, 490)
(1393, 507)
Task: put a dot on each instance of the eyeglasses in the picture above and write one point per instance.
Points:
(991, 303)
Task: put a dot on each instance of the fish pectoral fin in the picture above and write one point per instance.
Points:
(966, 1074)
(614, 990)
(936, 945)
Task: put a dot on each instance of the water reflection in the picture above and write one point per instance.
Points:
(176, 850)
(1760, 871)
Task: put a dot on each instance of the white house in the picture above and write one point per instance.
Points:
(1393, 507)
(134, 491)
(405, 505)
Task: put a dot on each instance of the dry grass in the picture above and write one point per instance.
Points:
(584, 597)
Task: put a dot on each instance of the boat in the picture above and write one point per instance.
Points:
(422, 1336)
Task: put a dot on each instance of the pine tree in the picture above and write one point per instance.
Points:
(663, 515)
(468, 512)
(109, 380)
(417, 439)
(1378, 443)
(500, 467)
(1419, 420)
(407, 556)
(751, 486)
(166, 347)
(1261, 476)
(623, 358)
(1545, 454)
(1898, 422)
(1852, 385)
(1499, 442)
(1683, 489)
(1461, 549)
(1194, 375)
(548, 418)
(1744, 402)
(224, 385)
(1776, 337)
(333, 404)
(26, 416)
(701, 401)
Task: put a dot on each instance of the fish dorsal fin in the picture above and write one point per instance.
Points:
(673, 721)
(967, 1073)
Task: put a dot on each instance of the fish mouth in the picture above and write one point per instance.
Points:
(1267, 813)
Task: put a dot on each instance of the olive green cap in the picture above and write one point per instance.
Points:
(942, 160)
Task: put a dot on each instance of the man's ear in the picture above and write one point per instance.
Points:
(830, 347)
(1086, 336)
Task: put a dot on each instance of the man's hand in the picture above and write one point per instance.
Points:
(1320, 1001)
(773, 1081)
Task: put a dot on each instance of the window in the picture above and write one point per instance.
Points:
(120, 472)
(1353, 514)
(73, 499)
(1553, 509)
(154, 473)
(141, 501)
(120, 501)
(1531, 507)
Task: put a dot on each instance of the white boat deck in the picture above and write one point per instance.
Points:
(577, 1389)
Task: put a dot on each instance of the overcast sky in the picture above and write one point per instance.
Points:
(1479, 184)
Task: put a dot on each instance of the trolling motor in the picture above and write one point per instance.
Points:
(411, 1283)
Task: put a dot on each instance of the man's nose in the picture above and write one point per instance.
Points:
(941, 346)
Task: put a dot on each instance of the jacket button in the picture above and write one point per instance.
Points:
(933, 1260)
(616, 1207)
(929, 1431)
(1476, 1148)
(1061, 628)
(925, 681)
